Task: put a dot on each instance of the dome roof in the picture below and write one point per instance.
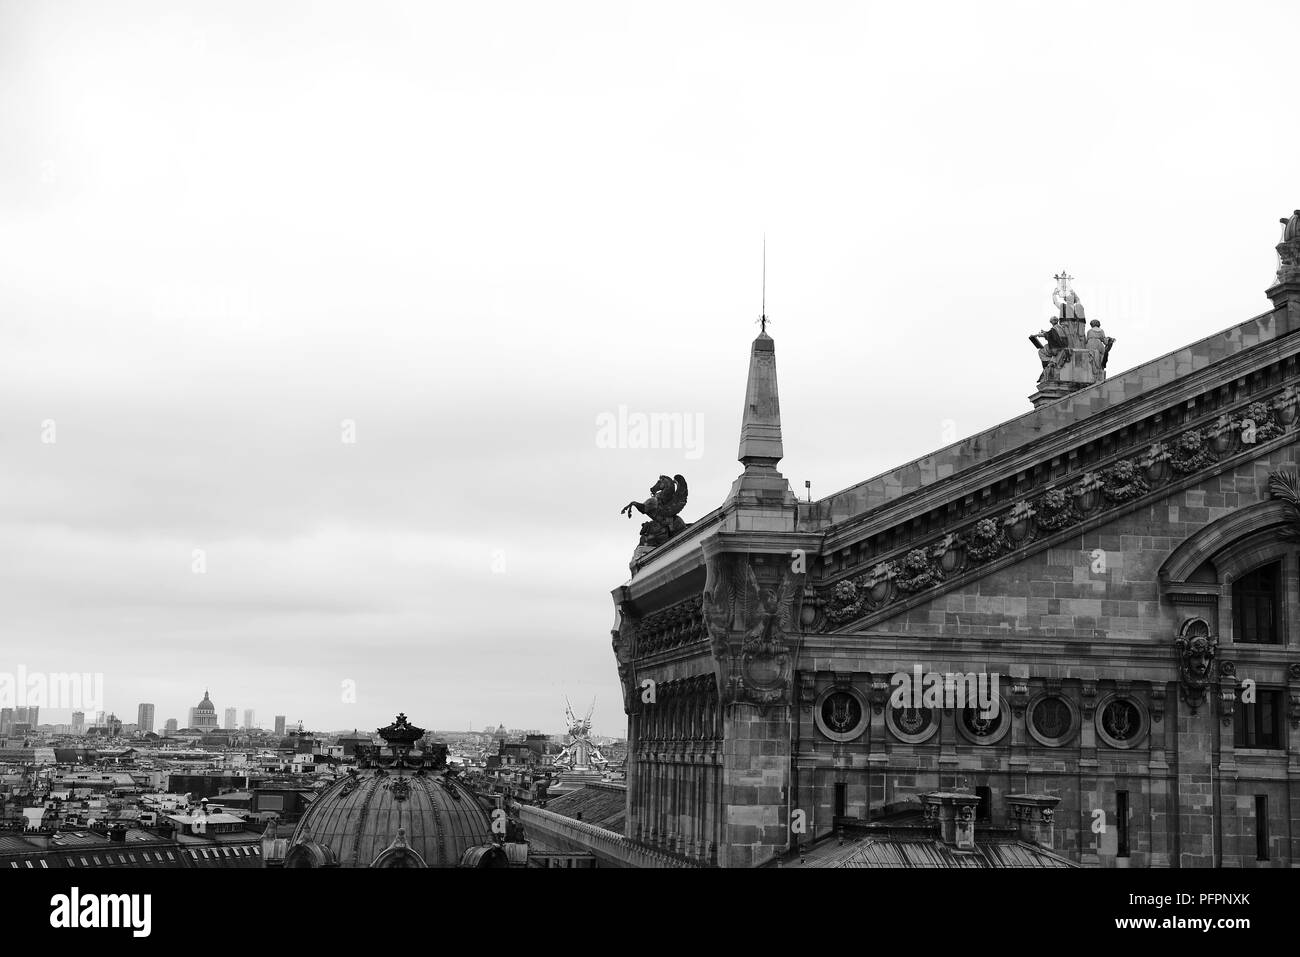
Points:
(206, 702)
(1292, 230)
(362, 819)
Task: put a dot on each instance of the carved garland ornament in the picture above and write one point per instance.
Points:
(1058, 508)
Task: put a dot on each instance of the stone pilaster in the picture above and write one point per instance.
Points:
(1159, 818)
(756, 780)
(1194, 740)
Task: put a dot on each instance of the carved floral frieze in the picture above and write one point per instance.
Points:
(1056, 508)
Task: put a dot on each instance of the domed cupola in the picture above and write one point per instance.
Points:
(398, 808)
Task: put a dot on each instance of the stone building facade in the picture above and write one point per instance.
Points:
(1116, 572)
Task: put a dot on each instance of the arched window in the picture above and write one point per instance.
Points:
(1257, 605)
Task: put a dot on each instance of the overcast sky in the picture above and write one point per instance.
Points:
(472, 229)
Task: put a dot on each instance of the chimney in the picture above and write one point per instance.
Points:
(1033, 816)
(955, 813)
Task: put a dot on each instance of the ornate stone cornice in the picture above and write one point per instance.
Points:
(975, 543)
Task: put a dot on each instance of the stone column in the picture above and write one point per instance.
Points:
(1229, 834)
(1090, 796)
(632, 819)
(1293, 763)
(1159, 820)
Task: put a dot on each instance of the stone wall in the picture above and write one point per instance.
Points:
(1088, 620)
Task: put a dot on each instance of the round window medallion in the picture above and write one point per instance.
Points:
(1121, 722)
(841, 714)
(978, 727)
(912, 725)
(1053, 720)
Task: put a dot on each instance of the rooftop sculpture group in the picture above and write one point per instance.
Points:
(1073, 356)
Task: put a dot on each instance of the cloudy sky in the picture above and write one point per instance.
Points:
(234, 236)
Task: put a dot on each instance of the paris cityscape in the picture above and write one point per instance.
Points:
(708, 438)
(215, 789)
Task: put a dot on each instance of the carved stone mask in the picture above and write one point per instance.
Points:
(1199, 656)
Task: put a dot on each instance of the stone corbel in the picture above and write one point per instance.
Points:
(1157, 702)
(878, 695)
(1019, 695)
(623, 641)
(807, 690)
(1227, 691)
(1088, 699)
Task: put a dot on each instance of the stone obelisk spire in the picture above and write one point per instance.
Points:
(760, 424)
(761, 486)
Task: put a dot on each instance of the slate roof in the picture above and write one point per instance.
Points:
(600, 806)
(896, 852)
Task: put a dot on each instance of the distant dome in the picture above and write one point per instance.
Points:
(206, 704)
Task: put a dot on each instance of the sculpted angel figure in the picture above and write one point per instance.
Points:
(768, 613)
(667, 498)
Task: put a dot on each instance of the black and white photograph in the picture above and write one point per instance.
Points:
(694, 437)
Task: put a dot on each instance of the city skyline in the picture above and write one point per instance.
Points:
(160, 715)
(414, 461)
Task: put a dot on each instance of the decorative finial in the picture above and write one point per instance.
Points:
(762, 319)
(1066, 299)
